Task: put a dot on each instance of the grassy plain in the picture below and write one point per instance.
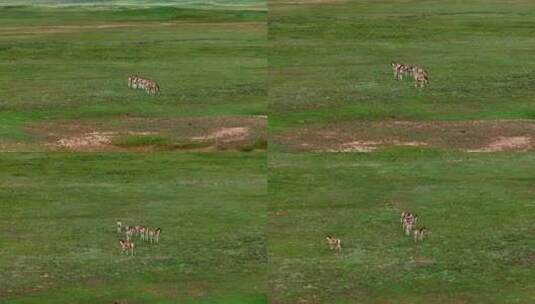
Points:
(330, 61)
(69, 64)
(478, 208)
(58, 240)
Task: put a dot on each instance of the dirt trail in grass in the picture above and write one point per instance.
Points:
(145, 134)
(470, 136)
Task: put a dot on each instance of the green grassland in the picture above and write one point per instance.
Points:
(479, 209)
(205, 4)
(72, 63)
(330, 60)
(58, 240)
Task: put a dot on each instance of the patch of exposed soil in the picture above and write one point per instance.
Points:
(471, 136)
(226, 135)
(369, 146)
(93, 140)
(522, 143)
(145, 134)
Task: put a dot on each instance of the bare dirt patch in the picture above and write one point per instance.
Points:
(471, 136)
(369, 146)
(226, 135)
(142, 134)
(521, 143)
(86, 141)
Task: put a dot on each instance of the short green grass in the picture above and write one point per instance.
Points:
(330, 60)
(58, 241)
(479, 209)
(212, 4)
(158, 143)
(72, 63)
(257, 144)
(141, 140)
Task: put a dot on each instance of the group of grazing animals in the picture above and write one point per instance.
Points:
(334, 243)
(408, 221)
(151, 235)
(421, 78)
(138, 82)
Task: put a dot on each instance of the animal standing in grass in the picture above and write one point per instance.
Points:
(334, 243)
(420, 75)
(419, 234)
(119, 226)
(157, 235)
(127, 246)
(138, 82)
(401, 69)
(130, 232)
(421, 78)
(145, 234)
(152, 235)
(138, 230)
(408, 221)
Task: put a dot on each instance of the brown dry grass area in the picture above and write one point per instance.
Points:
(470, 136)
(198, 134)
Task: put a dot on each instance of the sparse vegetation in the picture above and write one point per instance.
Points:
(141, 140)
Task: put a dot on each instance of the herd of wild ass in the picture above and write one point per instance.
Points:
(420, 75)
(408, 222)
(408, 219)
(421, 78)
(138, 82)
(151, 235)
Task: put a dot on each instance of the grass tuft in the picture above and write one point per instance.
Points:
(131, 141)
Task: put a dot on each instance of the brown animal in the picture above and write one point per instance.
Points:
(408, 220)
(137, 82)
(130, 231)
(157, 233)
(421, 78)
(127, 246)
(401, 69)
(334, 243)
(419, 234)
